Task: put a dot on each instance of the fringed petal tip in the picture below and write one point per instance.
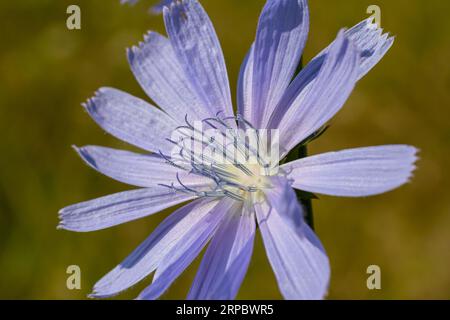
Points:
(370, 24)
(173, 5)
(414, 158)
(128, 118)
(61, 224)
(163, 6)
(133, 51)
(89, 105)
(371, 42)
(411, 154)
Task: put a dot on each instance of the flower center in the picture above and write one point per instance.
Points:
(236, 157)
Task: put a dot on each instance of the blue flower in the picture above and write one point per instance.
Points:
(185, 75)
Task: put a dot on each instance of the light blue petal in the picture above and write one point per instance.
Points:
(295, 253)
(146, 258)
(138, 169)
(354, 172)
(131, 120)
(281, 36)
(226, 260)
(283, 198)
(317, 98)
(245, 87)
(196, 45)
(187, 249)
(115, 209)
(372, 45)
(371, 42)
(158, 71)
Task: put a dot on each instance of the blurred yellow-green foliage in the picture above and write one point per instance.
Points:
(47, 71)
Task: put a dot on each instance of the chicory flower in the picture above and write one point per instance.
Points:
(186, 76)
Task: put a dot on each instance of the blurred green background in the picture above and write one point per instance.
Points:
(47, 71)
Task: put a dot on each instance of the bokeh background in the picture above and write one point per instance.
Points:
(47, 71)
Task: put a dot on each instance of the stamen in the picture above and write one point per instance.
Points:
(184, 186)
(187, 122)
(234, 179)
(234, 196)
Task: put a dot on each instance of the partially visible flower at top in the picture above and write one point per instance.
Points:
(156, 9)
(186, 76)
